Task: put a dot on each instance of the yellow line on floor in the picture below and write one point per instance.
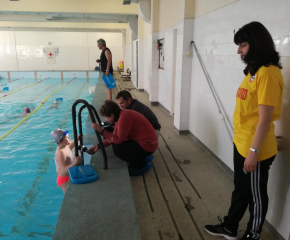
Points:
(40, 105)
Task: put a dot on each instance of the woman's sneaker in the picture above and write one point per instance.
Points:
(249, 236)
(219, 230)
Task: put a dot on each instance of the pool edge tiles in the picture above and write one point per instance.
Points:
(51, 74)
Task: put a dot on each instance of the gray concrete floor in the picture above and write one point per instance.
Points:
(186, 189)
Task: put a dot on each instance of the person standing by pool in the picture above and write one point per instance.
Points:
(63, 156)
(106, 62)
(258, 105)
(133, 139)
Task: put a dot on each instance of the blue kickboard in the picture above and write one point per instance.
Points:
(109, 81)
(82, 174)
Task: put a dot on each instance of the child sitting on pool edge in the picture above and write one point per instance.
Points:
(63, 156)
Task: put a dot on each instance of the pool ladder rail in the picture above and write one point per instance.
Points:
(93, 115)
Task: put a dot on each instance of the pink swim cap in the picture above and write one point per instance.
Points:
(27, 110)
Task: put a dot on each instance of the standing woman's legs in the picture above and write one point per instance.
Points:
(257, 184)
(239, 201)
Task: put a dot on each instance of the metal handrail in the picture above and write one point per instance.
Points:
(93, 113)
(215, 95)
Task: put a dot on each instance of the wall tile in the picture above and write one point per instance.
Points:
(283, 28)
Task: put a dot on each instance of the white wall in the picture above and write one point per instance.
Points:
(213, 34)
(8, 59)
(165, 75)
(77, 50)
(144, 66)
(127, 49)
(134, 75)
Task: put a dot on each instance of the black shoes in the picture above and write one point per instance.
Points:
(220, 231)
(249, 236)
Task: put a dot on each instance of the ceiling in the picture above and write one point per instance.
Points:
(32, 20)
(63, 17)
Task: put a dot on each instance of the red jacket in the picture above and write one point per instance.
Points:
(132, 125)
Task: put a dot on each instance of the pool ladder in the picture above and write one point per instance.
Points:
(93, 115)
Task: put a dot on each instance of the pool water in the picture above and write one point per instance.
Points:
(30, 199)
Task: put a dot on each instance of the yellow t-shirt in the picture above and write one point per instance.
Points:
(265, 88)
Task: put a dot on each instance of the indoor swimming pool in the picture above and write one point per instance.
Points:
(29, 196)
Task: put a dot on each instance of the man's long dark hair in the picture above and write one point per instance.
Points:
(262, 50)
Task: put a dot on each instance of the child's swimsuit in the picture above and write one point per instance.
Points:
(61, 180)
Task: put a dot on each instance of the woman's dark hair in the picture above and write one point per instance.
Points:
(110, 107)
(262, 50)
(124, 94)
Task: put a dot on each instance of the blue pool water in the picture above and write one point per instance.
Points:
(30, 200)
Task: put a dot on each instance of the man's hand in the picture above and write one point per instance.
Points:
(94, 148)
(98, 60)
(97, 127)
(77, 160)
(80, 136)
(107, 73)
(250, 164)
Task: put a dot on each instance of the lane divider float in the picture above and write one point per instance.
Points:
(1, 84)
(22, 88)
(40, 105)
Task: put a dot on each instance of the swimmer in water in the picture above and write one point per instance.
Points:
(26, 111)
(55, 105)
(63, 156)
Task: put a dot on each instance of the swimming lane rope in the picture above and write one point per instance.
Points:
(40, 105)
(12, 81)
(22, 88)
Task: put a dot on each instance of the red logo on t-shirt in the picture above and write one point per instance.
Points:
(242, 93)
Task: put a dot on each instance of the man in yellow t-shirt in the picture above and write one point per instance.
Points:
(258, 105)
